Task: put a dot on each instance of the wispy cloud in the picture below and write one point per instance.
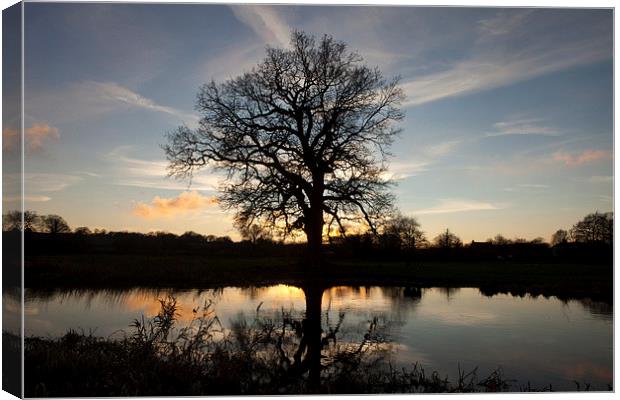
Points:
(35, 199)
(87, 99)
(601, 179)
(186, 202)
(39, 186)
(498, 59)
(503, 23)
(153, 174)
(529, 187)
(47, 182)
(265, 21)
(403, 170)
(531, 126)
(441, 149)
(446, 206)
(585, 157)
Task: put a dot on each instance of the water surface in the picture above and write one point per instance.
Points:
(540, 340)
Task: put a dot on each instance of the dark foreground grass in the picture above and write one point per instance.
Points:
(565, 281)
(261, 357)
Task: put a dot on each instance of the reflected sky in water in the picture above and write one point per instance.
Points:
(541, 340)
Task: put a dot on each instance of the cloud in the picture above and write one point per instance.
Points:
(38, 134)
(441, 149)
(402, 170)
(527, 187)
(186, 202)
(38, 185)
(265, 22)
(446, 206)
(601, 179)
(503, 23)
(114, 93)
(153, 174)
(585, 157)
(498, 59)
(35, 198)
(9, 138)
(88, 99)
(522, 127)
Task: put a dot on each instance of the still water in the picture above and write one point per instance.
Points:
(540, 340)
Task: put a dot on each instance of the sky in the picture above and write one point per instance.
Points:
(508, 123)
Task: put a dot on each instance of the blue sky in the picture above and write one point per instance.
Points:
(508, 124)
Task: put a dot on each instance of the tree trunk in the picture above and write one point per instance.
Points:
(312, 334)
(314, 235)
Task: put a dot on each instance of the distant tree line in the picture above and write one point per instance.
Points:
(399, 238)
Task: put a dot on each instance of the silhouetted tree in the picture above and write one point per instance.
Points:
(82, 230)
(405, 231)
(447, 240)
(302, 136)
(560, 236)
(595, 227)
(500, 240)
(254, 233)
(13, 221)
(54, 224)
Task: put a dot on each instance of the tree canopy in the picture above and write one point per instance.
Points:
(302, 137)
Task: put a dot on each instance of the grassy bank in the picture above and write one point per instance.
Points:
(116, 271)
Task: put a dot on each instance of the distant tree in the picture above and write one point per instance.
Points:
(192, 237)
(210, 238)
(596, 227)
(54, 224)
(406, 231)
(13, 221)
(254, 233)
(302, 136)
(82, 230)
(560, 236)
(447, 240)
(501, 240)
(537, 240)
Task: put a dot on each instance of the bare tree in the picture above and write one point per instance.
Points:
(82, 230)
(302, 137)
(595, 227)
(560, 236)
(13, 221)
(406, 231)
(448, 240)
(254, 233)
(55, 224)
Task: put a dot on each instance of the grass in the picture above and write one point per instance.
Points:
(260, 357)
(116, 271)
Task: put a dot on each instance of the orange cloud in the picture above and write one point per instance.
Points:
(39, 133)
(9, 138)
(184, 203)
(36, 136)
(582, 158)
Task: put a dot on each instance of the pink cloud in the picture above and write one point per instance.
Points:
(39, 133)
(182, 204)
(584, 157)
(9, 138)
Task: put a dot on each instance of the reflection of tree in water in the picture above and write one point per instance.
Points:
(598, 309)
(449, 292)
